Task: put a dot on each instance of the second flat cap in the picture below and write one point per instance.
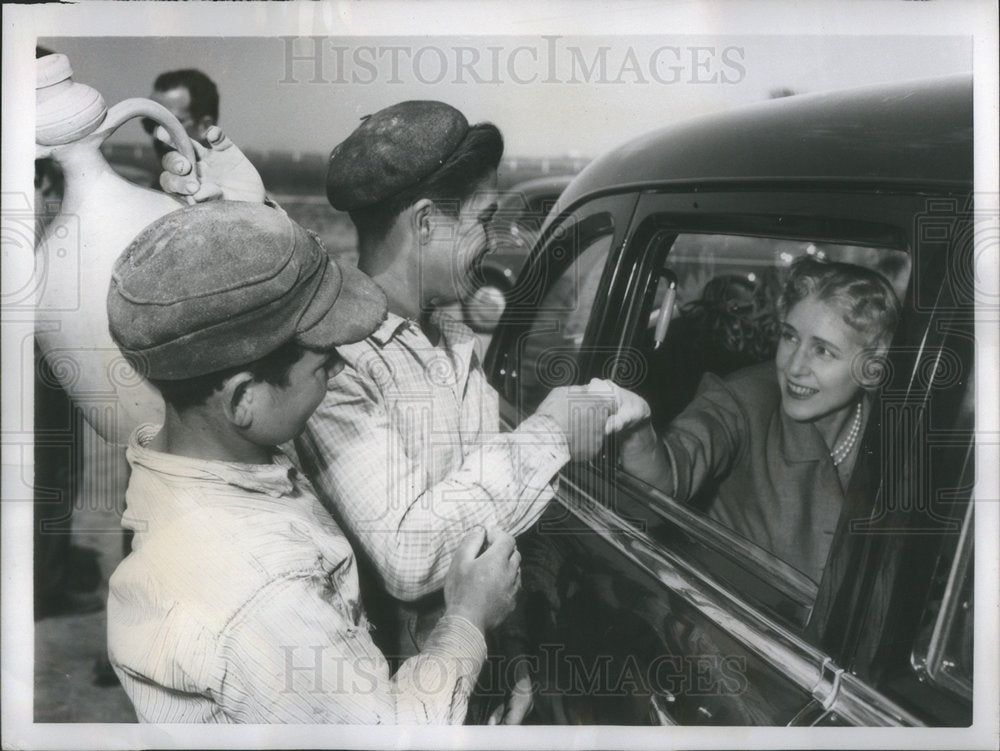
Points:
(392, 150)
(222, 283)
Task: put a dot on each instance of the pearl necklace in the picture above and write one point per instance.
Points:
(842, 449)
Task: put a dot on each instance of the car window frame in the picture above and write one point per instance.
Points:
(932, 655)
(880, 218)
(535, 279)
(619, 307)
(736, 208)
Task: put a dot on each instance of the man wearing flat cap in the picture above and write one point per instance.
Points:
(406, 448)
(240, 599)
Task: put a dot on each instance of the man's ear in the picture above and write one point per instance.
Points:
(422, 219)
(238, 399)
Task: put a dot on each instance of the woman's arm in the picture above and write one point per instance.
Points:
(644, 456)
(700, 444)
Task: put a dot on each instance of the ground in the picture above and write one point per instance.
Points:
(68, 648)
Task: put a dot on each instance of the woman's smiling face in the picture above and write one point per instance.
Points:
(815, 361)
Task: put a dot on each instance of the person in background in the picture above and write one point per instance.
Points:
(191, 97)
(240, 601)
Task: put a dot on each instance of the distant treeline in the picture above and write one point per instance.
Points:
(296, 172)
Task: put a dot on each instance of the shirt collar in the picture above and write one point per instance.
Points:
(275, 479)
(389, 328)
(453, 331)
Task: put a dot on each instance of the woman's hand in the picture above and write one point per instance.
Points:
(631, 410)
(644, 456)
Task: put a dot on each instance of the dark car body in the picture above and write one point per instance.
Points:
(640, 609)
(521, 211)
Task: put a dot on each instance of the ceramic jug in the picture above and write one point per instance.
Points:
(100, 215)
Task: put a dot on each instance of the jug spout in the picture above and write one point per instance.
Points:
(65, 110)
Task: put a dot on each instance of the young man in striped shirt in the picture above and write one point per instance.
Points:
(406, 448)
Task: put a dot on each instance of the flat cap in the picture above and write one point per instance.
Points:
(392, 150)
(221, 284)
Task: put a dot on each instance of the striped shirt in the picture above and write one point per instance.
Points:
(240, 603)
(406, 450)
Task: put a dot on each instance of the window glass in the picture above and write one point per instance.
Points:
(735, 456)
(725, 315)
(957, 659)
(518, 221)
(548, 351)
(947, 643)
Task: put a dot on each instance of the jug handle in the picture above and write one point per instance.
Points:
(140, 107)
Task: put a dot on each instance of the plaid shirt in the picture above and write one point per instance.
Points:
(240, 603)
(407, 451)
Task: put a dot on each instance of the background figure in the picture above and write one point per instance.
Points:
(732, 325)
(191, 97)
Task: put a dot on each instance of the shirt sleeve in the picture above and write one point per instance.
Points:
(408, 525)
(704, 441)
(290, 656)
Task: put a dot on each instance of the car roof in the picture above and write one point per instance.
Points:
(915, 132)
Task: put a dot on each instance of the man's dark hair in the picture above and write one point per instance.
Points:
(204, 94)
(272, 368)
(449, 186)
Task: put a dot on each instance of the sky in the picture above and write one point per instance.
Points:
(551, 94)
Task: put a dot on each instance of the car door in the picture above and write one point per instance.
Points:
(642, 609)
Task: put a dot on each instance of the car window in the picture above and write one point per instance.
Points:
(520, 215)
(713, 314)
(724, 314)
(548, 350)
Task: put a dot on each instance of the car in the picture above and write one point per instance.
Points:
(515, 227)
(642, 610)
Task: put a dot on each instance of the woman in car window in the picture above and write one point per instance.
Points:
(769, 450)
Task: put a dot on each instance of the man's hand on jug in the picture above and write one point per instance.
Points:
(223, 170)
(482, 586)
